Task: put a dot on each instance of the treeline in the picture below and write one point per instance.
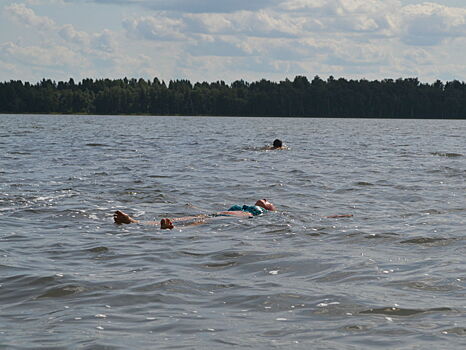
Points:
(400, 98)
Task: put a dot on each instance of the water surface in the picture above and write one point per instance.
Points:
(391, 277)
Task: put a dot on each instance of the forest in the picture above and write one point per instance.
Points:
(388, 98)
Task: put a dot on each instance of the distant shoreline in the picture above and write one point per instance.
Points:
(227, 116)
(332, 98)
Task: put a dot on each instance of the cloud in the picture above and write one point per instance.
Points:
(301, 35)
(6, 67)
(430, 24)
(24, 15)
(260, 23)
(294, 19)
(215, 46)
(45, 2)
(210, 6)
(61, 49)
(221, 39)
(424, 24)
(70, 34)
(363, 55)
(158, 28)
(196, 6)
(105, 40)
(333, 16)
(338, 7)
(41, 56)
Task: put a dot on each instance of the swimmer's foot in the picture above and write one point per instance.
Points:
(122, 218)
(166, 224)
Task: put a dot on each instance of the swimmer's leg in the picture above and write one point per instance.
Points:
(167, 223)
(122, 218)
(201, 219)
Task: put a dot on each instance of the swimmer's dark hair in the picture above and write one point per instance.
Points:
(277, 143)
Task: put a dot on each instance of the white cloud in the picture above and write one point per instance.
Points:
(155, 28)
(70, 34)
(372, 16)
(61, 48)
(25, 15)
(196, 6)
(288, 20)
(41, 56)
(356, 36)
(430, 24)
(105, 41)
(261, 23)
(238, 38)
(45, 2)
(7, 67)
(338, 7)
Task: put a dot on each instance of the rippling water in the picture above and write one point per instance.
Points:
(392, 276)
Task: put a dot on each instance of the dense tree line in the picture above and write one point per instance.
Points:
(400, 98)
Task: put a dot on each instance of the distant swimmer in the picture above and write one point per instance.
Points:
(277, 143)
(239, 211)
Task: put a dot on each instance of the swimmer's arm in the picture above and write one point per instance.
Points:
(170, 223)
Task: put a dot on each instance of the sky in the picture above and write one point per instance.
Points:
(211, 40)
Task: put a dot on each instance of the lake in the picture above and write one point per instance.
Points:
(390, 277)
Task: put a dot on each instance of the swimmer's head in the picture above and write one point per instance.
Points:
(264, 203)
(277, 143)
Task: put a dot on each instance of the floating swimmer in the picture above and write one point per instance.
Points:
(240, 211)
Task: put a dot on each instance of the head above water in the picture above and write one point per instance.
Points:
(264, 203)
(277, 143)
